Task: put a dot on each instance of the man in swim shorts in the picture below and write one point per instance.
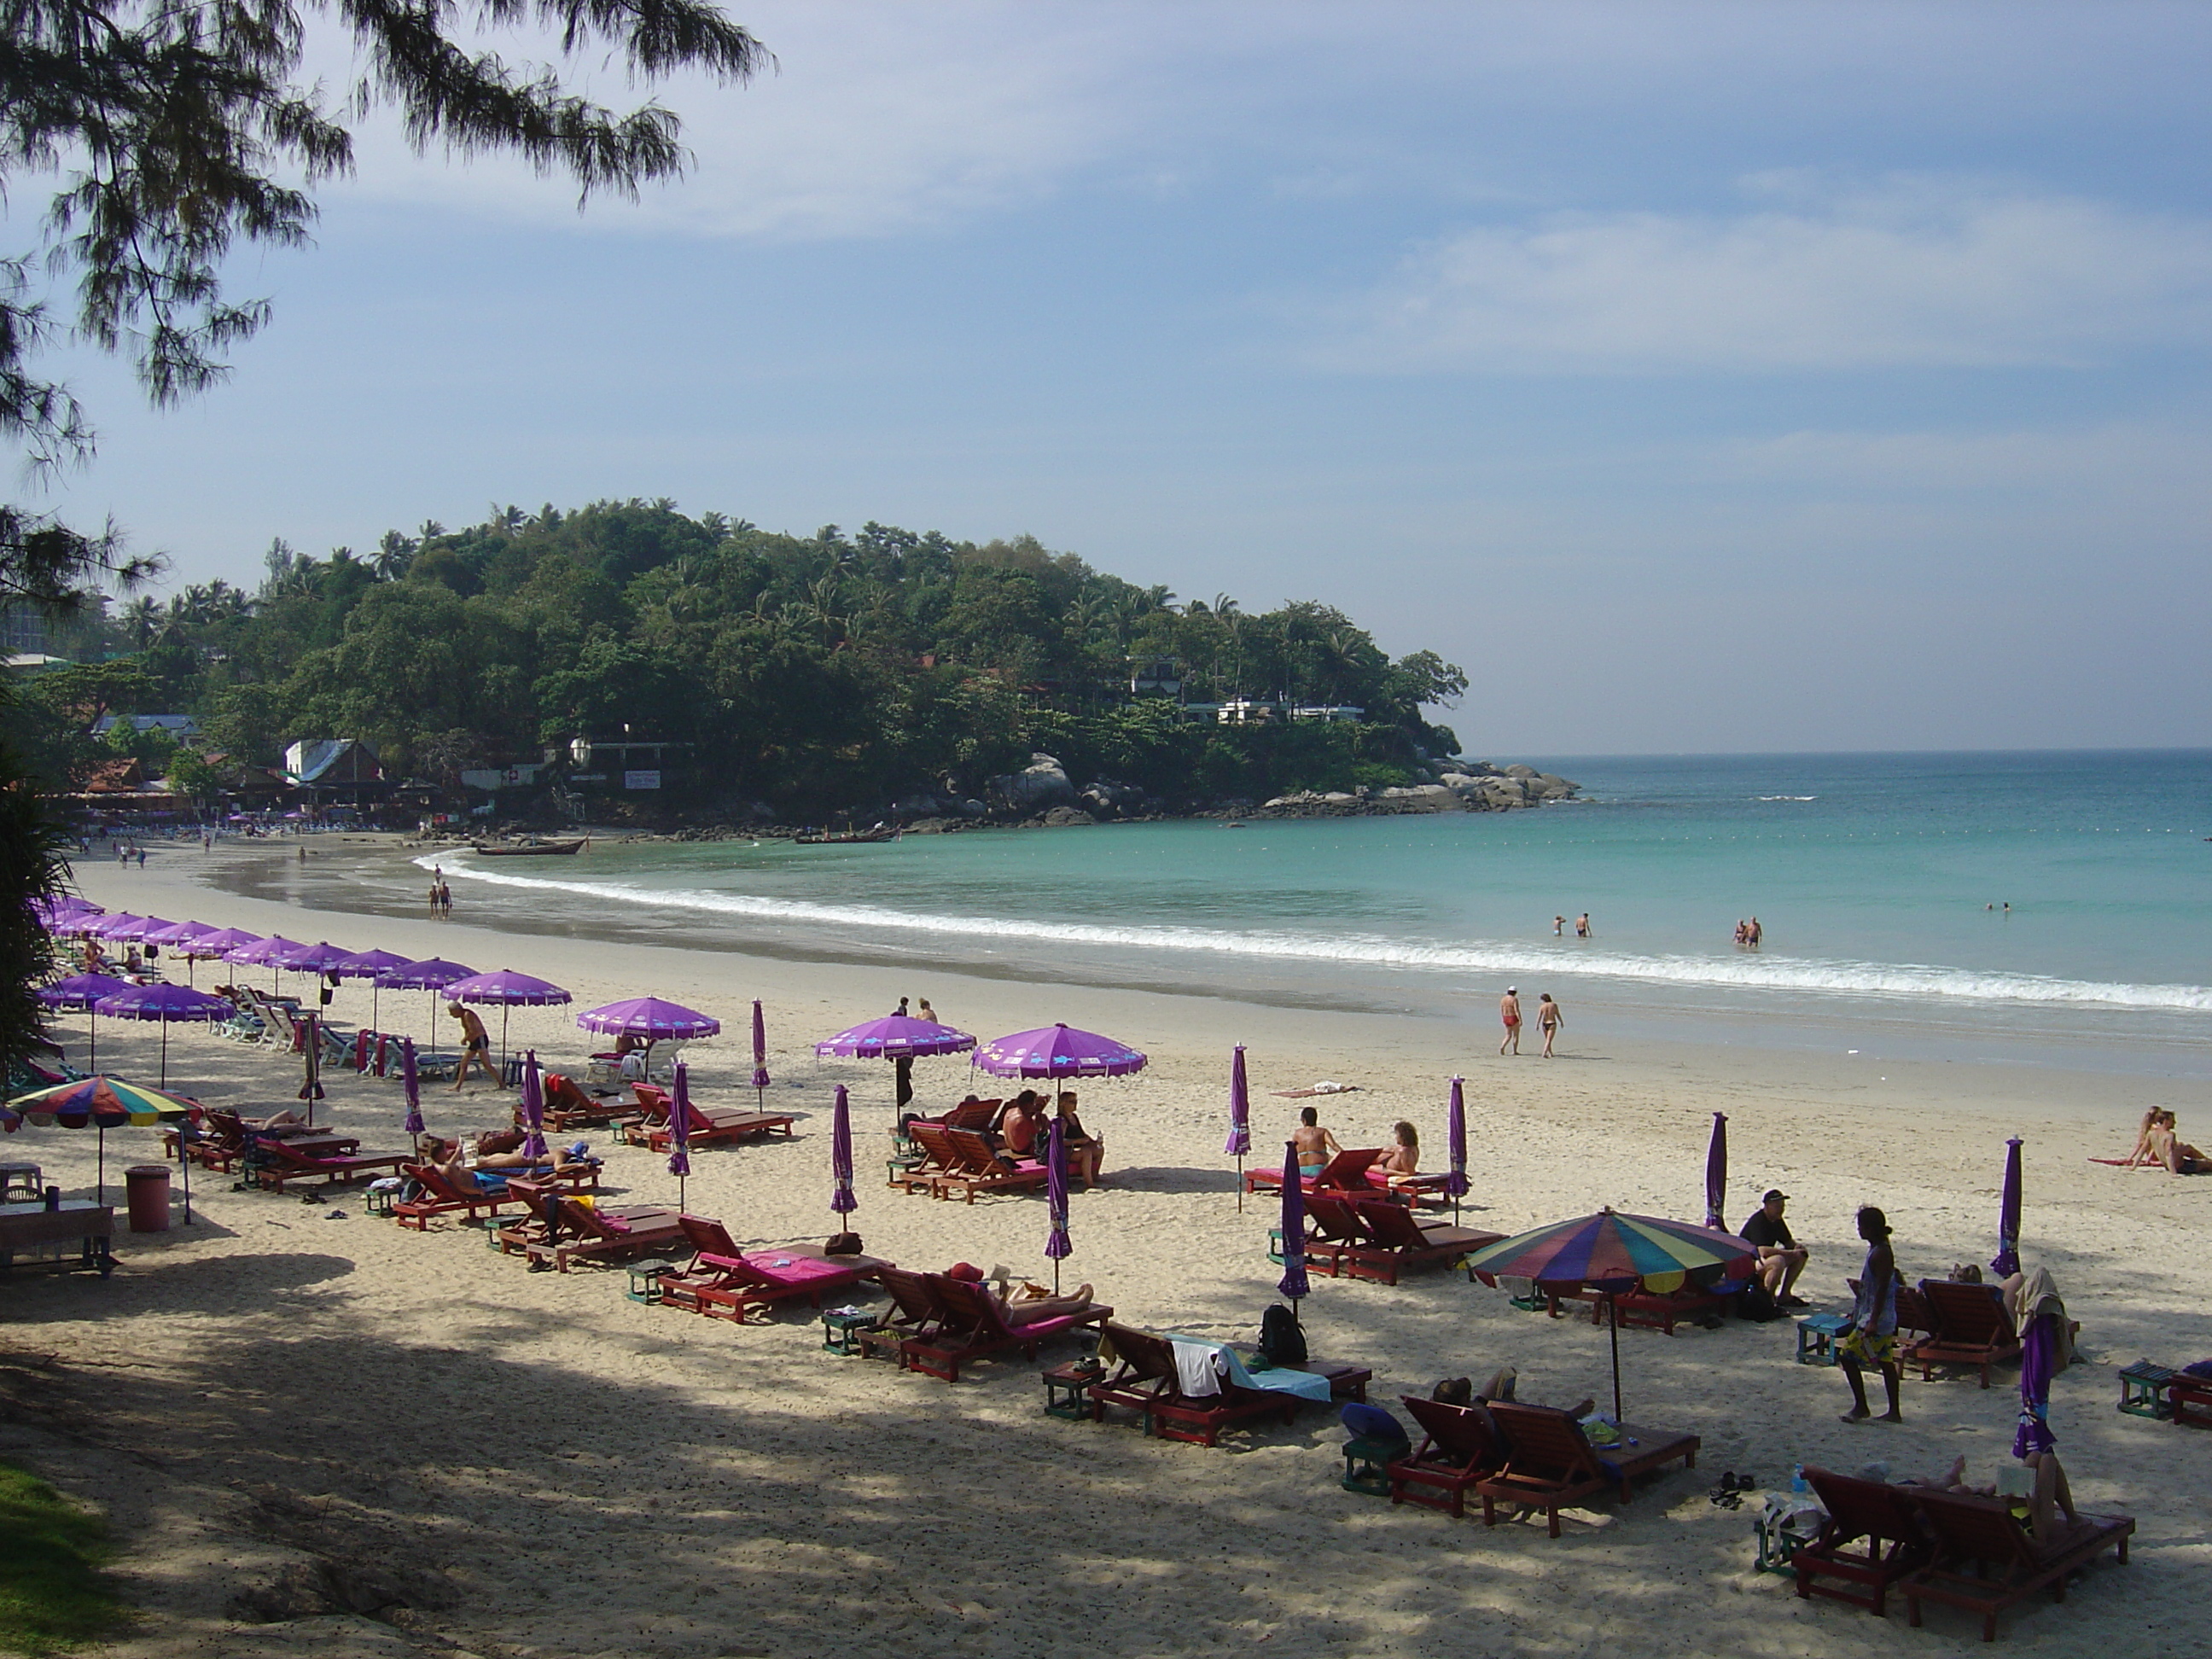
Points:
(1509, 1011)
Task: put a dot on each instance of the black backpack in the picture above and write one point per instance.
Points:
(1281, 1341)
(1755, 1303)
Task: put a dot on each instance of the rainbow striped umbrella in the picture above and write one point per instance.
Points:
(1614, 1253)
(103, 1103)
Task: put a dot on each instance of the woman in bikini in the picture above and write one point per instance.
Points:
(1314, 1145)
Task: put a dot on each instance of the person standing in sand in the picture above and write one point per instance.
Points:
(1509, 1013)
(1872, 1338)
(1548, 1020)
(925, 1011)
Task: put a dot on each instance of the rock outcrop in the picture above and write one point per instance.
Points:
(1042, 785)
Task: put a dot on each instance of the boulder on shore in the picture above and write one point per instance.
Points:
(1041, 784)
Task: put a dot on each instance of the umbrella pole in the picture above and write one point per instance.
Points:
(504, 1011)
(102, 1128)
(92, 1054)
(1612, 1319)
(165, 1054)
(1240, 1183)
(184, 1169)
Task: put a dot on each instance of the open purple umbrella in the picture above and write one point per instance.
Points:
(217, 945)
(371, 965)
(412, 1081)
(1058, 1051)
(115, 926)
(81, 993)
(1716, 1175)
(67, 909)
(1057, 1244)
(653, 1019)
(322, 958)
(266, 953)
(533, 1107)
(1293, 1282)
(176, 939)
(842, 1200)
(1240, 1122)
(760, 1056)
(679, 1131)
(2007, 1258)
(895, 1037)
(431, 974)
(168, 1004)
(507, 990)
(1455, 1135)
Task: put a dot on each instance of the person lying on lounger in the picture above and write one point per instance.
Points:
(451, 1155)
(1018, 1307)
(2049, 1499)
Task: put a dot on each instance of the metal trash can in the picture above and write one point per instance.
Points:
(148, 1187)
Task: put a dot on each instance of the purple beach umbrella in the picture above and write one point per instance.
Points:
(266, 953)
(507, 990)
(431, 974)
(412, 1081)
(1293, 1282)
(842, 1200)
(1058, 1051)
(894, 1037)
(1056, 1243)
(217, 945)
(115, 927)
(1716, 1175)
(176, 939)
(533, 1107)
(2039, 1359)
(679, 1131)
(2008, 1257)
(81, 993)
(760, 1055)
(169, 1003)
(322, 958)
(1456, 1136)
(1240, 1122)
(371, 965)
(653, 1019)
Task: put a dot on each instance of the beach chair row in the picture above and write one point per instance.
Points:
(956, 1162)
(1378, 1238)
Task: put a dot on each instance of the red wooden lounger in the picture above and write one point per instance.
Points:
(589, 1233)
(974, 1329)
(443, 1197)
(286, 1163)
(940, 1159)
(1396, 1241)
(719, 1126)
(1345, 1173)
(725, 1282)
(1972, 1327)
(1335, 1230)
(1550, 1463)
(1147, 1381)
(978, 1169)
(569, 1106)
(1986, 1560)
(917, 1311)
(1457, 1452)
(1882, 1520)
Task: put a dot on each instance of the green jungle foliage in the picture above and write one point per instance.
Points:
(811, 673)
(53, 1595)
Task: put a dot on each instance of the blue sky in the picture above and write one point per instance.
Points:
(1736, 376)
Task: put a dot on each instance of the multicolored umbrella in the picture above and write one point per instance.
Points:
(760, 1055)
(1716, 1175)
(1613, 1251)
(842, 1200)
(679, 1131)
(170, 1004)
(104, 1103)
(506, 990)
(1456, 1183)
(1058, 1051)
(1293, 1283)
(1057, 1244)
(2007, 1258)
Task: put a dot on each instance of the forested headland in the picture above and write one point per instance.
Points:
(807, 675)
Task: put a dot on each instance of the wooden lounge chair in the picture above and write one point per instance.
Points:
(1662, 1310)
(974, 1329)
(568, 1105)
(623, 1234)
(1335, 1230)
(1345, 1173)
(940, 1159)
(716, 1126)
(1457, 1451)
(1884, 1523)
(916, 1311)
(725, 1282)
(1986, 1560)
(1550, 1462)
(1972, 1327)
(442, 1196)
(1396, 1241)
(1147, 1381)
(979, 1169)
(285, 1162)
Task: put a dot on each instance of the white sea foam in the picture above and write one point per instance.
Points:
(1785, 797)
(1476, 957)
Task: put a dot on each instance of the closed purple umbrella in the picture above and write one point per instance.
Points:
(2038, 1360)
(1293, 1282)
(2008, 1257)
(412, 1081)
(533, 1107)
(840, 1156)
(1716, 1175)
(507, 990)
(82, 992)
(1240, 1119)
(169, 1003)
(1056, 1243)
(1455, 1135)
(760, 1055)
(679, 1131)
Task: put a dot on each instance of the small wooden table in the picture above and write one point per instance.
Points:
(1067, 1388)
(32, 1229)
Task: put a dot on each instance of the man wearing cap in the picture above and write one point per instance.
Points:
(1781, 1258)
(1508, 1010)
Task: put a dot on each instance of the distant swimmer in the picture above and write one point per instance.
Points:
(1558, 926)
(1509, 1011)
(1757, 933)
(1582, 926)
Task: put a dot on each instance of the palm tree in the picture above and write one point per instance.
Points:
(394, 553)
(141, 620)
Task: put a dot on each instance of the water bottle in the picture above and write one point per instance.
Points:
(1798, 1485)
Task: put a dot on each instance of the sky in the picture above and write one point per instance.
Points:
(1701, 378)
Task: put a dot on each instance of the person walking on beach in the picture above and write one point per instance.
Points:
(1872, 1338)
(1509, 1013)
(445, 901)
(1548, 1021)
(475, 1045)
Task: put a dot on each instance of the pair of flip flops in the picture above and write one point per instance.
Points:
(1729, 1495)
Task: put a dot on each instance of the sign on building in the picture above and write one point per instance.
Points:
(641, 779)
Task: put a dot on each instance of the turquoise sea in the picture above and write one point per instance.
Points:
(1874, 876)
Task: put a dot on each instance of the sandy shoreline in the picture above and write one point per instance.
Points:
(491, 1429)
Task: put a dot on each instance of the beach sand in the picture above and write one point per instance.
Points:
(542, 1467)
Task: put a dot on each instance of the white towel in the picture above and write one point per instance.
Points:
(1197, 1371)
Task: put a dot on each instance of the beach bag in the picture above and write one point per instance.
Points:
(1281, 1341)
(1755, 1303)
(843, 1244)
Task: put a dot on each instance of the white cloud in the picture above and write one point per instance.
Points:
(1921, 273)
